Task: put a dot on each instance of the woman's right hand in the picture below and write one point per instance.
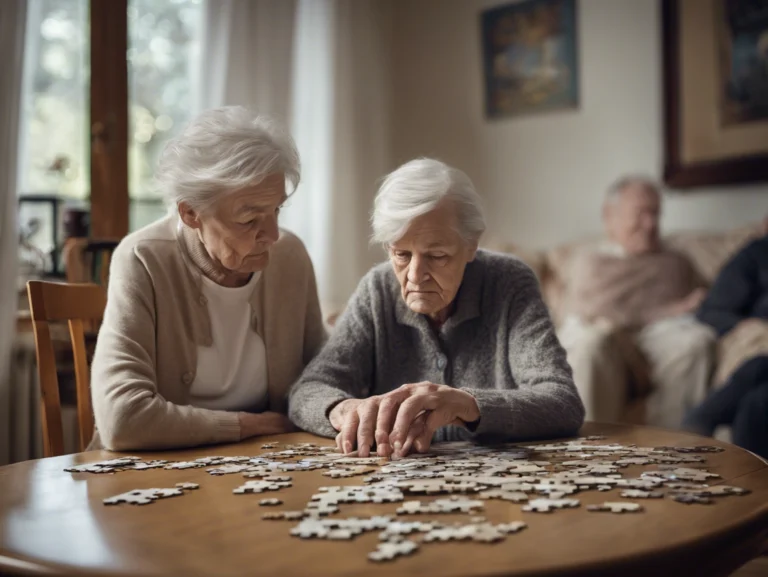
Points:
(266, 423)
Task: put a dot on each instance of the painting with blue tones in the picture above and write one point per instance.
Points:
(744, 49)
(530, 57)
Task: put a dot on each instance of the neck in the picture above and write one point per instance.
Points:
(209, 266)
(438, 319)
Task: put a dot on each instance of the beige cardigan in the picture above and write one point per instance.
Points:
(156, 317)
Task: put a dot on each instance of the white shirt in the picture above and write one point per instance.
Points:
(231, 374)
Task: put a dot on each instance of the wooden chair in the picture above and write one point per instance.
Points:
(79, 305)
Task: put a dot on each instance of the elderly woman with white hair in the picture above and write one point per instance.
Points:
(443, 342)
(212, 312)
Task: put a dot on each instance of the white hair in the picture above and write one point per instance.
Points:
(617, 188)
(221, 151)
(415, 189)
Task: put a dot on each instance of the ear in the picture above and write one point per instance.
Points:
(189, 215)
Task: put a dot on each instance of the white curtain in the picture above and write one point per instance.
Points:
(321, 66)
(12, 27)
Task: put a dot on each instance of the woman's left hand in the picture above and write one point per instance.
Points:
(439, 405)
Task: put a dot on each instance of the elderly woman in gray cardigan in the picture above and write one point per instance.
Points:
(445, 340)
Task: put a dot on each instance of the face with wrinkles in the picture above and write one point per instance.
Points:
(240, 228)
(429, 261)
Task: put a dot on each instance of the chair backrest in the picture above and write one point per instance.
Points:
(79, 305)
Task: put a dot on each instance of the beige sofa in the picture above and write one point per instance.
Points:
(708, 251)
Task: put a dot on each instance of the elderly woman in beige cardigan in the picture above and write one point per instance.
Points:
(212, 312)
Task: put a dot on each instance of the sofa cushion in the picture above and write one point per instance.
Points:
(710, 251)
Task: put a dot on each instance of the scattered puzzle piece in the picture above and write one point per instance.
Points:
(548, 505)
(691, 499)
(616, 507)
(450, 505)
(388, 551)
(348, 472)
(259, 487)
(142, 496)
(640, 494)
(513, 496)
(284, 516)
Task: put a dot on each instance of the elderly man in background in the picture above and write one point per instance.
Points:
(634, 286)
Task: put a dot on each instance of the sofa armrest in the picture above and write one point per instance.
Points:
(747, 340)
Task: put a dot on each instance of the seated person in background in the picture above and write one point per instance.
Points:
(738, 296)
(444, 340)
(634, 284)
(212, 312)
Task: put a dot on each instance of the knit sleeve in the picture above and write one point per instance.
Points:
(541, 400)
(129, 410)
(733, 293)
(342, 370)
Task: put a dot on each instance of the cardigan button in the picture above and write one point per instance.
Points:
(442, 362)
(187, 378)
(203, 300)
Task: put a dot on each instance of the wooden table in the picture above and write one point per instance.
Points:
(54, 522)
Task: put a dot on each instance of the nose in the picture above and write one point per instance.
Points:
(269, 232)
(417, 270)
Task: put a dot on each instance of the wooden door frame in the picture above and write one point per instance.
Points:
(109, 119)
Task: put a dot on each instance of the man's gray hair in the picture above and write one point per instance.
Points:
(221, 151)
(617, 188)
(415, 189)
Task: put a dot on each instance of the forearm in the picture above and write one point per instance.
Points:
(723, 321)
(310, 403)
(144, 421)
(544, 410)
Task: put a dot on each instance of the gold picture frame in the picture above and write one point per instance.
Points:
(713, 134)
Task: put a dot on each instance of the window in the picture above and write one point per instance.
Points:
(163, 60)
(54, 125)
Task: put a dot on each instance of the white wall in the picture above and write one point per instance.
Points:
(544, 176)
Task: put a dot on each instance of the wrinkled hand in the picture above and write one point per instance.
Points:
(266, 423)
(441, 405)
(400, 420)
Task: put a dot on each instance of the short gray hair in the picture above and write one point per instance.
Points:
(617, 188)
(415, 189)
(221, 151)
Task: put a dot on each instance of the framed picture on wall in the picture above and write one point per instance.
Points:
(530, 59)
(715, 91)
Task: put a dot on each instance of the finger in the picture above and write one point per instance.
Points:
(339, 448)
(407, 413)
(422, 442)
(365, 430)
(384, 421)
(414, 432)
(436, 419)
(349, 431)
